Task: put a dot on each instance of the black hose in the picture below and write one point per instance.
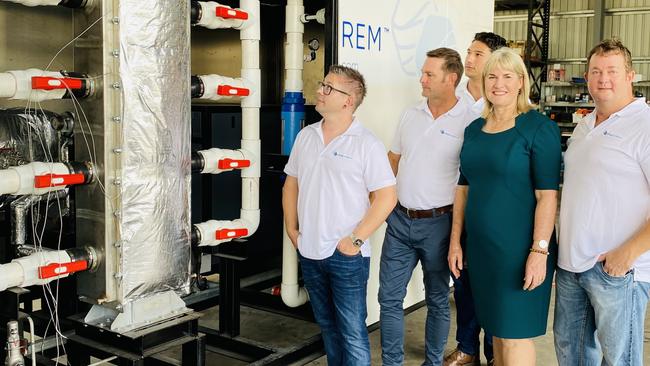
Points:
(195, 236)
(73, 4)
(86, 87)
(198, 89)
(82, 168)
(198, 163)
(195, 12)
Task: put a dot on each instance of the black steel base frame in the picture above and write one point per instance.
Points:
(138, 347)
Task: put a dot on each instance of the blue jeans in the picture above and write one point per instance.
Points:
(467, 327)
(337, 292)
(599, 318)
(408, 241)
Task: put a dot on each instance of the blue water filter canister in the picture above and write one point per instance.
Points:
(293, 116)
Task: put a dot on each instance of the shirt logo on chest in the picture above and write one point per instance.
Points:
(607, 133)
(447, 133)
(341, 155)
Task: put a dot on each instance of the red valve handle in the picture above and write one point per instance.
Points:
(59, 269)
(230, 233)
(276, 290)
(55, 180)
(233, 164)
(232, 91)
(50, 83)
(228, 13)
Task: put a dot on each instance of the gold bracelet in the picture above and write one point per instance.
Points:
(545, 252)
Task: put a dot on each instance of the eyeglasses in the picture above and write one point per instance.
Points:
(327, 89)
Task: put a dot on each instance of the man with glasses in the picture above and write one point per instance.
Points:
(339, 190)
(425, 158)
(468, 329)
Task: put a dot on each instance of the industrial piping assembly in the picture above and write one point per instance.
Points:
(214, 87)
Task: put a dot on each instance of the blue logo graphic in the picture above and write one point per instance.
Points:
(361, 36)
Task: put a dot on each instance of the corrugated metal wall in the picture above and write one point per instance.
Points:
(571, 30)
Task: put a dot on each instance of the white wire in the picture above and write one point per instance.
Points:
(48, 294)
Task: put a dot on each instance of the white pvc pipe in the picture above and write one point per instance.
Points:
(11, 275)
(19, 180)
(9, 181)
(293, 49)
(24, 271)
(212, 82)
(7, 85)
(36, 2)
(17, 84)
(211, 158)
(210, 20)
(249, 221)
(250, 39)
(250, 143)
(292, 294)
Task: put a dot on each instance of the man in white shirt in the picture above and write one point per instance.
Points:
(339, 190)
(468, 329)
(603, 282)
(425, 158)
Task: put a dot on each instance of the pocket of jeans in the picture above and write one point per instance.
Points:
(613, 278)
(346, 255)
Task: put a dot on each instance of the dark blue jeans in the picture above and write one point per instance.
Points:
(467, 327)
(407, 242)
(337, 292)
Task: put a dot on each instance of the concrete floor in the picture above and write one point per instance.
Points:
(283, 332)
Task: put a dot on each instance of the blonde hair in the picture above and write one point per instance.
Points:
(506, 59)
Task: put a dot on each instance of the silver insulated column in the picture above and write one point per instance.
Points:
(154, 222)
(152, 213)
(155, 213)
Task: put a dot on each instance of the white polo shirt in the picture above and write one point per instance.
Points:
(606, 193)
(334, 182)
(476, 105)
(430, 150)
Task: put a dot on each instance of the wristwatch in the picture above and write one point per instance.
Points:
(356, 241)
(542, 244)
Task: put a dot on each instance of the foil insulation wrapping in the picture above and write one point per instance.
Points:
(26, 136)
(154, 221)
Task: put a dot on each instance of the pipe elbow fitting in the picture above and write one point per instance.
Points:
(293, 295)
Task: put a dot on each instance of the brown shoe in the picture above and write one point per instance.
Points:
(458, 358)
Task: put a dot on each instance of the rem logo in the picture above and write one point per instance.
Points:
(361, 36)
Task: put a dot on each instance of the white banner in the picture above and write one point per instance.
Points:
(387, 41)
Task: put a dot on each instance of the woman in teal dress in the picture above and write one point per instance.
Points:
(506, 200)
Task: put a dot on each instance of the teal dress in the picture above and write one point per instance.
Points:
(502, 171)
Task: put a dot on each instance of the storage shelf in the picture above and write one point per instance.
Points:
(562, 84)
(566, 124)
(572, 84)
(569, 104)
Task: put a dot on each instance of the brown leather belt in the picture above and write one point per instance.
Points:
(425, 214)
